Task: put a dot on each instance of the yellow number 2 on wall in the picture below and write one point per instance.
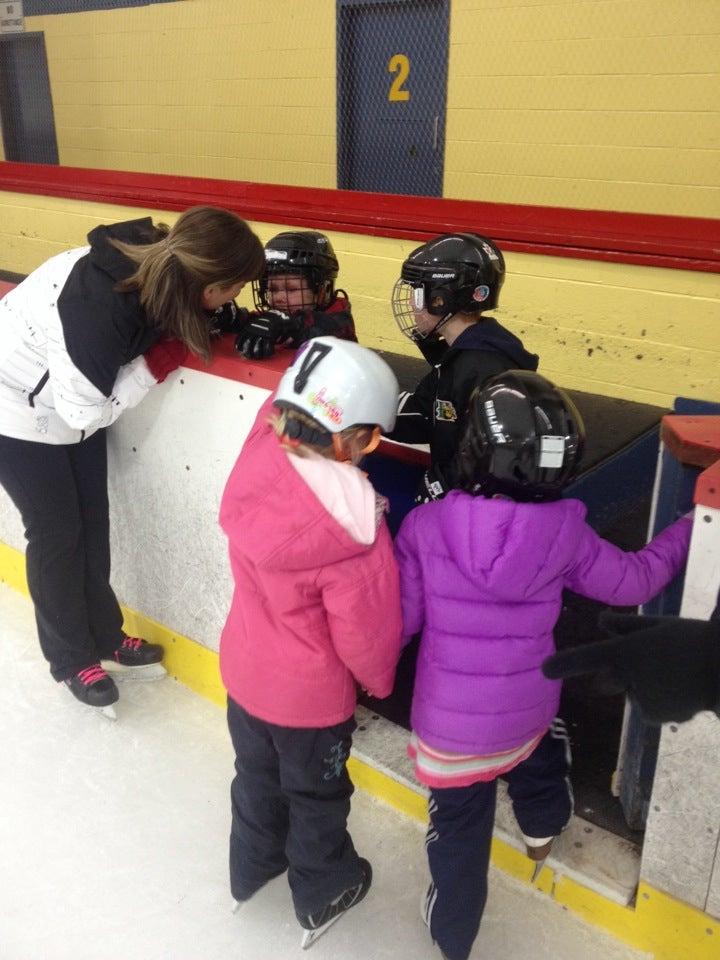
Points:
(399, 64)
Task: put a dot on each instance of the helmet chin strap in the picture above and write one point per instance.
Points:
(440, 323)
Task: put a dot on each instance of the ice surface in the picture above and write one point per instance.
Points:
(113, 841)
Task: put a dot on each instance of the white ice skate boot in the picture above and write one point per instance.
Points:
(538, 850)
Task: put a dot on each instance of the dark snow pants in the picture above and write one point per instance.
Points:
(61, 493)
(290, 804)
(460, 831)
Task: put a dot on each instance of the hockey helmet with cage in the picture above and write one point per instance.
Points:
(307, 253)
(338, 384)
(452, 273)
(524, 438)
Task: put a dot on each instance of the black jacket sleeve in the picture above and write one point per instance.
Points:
(414, 419)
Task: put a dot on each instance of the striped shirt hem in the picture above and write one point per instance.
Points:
(438, 768)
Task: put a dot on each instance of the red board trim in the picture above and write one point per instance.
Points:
(686, 243)
(226, 362)
(707, 487)
(693, 440)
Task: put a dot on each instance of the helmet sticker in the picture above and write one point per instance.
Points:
(552, 452)
(489, 250)
(330, 406)
(276, 254)
(443, 276)
(493, 423)
(418, 298)
(481, 293)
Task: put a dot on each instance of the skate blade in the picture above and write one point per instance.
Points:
(537, 870)
(151, 671)
(108, 711)
(236, 904)
(310, 936)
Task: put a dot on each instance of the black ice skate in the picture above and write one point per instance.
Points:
(95, 688)
(316, 924)
(136, 659)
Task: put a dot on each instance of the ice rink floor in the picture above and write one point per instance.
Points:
(113, 841)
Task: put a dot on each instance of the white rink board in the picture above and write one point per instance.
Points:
(169, 458)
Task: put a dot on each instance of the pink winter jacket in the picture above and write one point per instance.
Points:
(314, 612)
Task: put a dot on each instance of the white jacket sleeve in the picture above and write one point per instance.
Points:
(81, 405)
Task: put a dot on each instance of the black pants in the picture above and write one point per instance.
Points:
(460, 831)
(290, 804)
(61, 493)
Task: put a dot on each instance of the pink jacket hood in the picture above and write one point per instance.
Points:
(314, 611)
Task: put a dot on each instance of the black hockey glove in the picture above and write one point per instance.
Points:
(433, 348)
(229, 318)
(264, 330)
(433, 486)
(669, 666)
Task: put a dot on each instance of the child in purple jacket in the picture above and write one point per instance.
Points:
(482, 574)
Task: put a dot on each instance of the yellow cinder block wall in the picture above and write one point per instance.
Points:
(597, 105)
(642, 333)
(593, 105)
(208, 88)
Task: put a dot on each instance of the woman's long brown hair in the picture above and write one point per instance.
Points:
(207, 245)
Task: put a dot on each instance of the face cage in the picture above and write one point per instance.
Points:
(406, 299)
(321, 291)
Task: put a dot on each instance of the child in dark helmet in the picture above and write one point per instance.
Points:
(445, 288)
(481, 577)
(295, 298)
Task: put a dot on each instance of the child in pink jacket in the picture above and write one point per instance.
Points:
(316, 611)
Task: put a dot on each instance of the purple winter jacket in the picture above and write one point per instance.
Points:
(483, 580)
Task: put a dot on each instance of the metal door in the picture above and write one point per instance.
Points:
(26, 111)
(392, 84)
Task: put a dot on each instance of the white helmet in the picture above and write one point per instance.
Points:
(340, 384)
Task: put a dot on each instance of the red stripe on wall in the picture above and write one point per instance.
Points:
(686, 243)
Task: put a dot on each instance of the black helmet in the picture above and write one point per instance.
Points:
(457, 271)
(524, 438)
(304, 252)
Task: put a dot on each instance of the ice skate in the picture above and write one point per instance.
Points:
(93, 687)
(538, 850)
(316, 924)
(136, 659)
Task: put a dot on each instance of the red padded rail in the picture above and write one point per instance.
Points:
(687, 243)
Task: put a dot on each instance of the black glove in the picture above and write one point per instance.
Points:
(433, 347)
(264, 330)
(434, 486)
(669, 666)
(229, 318)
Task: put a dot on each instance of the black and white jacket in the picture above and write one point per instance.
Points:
(71, 346)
